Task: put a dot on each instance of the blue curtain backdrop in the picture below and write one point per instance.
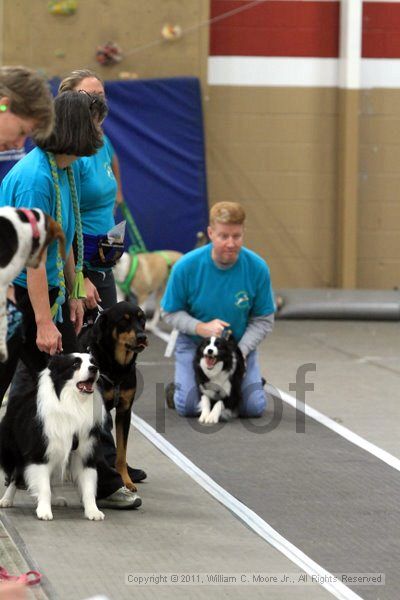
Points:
(156, 128)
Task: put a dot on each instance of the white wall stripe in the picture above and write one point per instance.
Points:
(258, 525)
(350, 43)
(260, 71)
(349, 435)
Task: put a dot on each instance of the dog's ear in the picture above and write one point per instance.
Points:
(200, 348)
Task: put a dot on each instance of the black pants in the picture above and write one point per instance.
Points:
(33, 360)
(105, 284)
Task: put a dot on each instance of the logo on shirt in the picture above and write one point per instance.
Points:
(242, 300)
(108, 170)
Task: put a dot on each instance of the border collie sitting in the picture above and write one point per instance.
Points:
(53, 426)
(219, 369)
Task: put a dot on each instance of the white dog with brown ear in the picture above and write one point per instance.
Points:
(148, 276)
(24, 237)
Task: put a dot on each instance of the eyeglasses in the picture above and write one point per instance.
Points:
(93, 97)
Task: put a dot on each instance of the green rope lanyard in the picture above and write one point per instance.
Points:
(137, 240)
(78, 290)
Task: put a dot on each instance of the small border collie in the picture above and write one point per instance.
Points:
(219, 369)
(54, 426)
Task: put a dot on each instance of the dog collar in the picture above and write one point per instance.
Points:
(31, 218)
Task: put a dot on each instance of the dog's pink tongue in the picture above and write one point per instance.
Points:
(210, 361)
(85, 386)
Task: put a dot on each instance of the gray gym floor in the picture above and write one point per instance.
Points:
(331, 499)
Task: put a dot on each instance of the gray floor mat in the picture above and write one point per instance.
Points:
(334, 501)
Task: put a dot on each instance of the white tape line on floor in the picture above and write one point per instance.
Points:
(245, 514)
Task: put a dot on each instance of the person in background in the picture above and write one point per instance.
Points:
(100, 192)
(44, 179)
(218, 286)
(26, 107)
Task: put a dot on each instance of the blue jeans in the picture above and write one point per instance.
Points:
(187, 397)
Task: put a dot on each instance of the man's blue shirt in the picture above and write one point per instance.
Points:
(206, 292)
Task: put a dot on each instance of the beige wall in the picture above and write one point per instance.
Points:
(379, 190)
(32, 36)
(274, 150)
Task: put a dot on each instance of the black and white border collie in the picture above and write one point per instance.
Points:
(53, 426)
(219, 369)
(24, 236)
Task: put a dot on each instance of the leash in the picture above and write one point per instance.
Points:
(28, 578)
(137, 240)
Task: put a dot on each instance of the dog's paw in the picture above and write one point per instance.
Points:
(212, 419)
(44, 513)
(94, 514)
(6, 503)
(130, 485)
(227, 415)
(204, 416)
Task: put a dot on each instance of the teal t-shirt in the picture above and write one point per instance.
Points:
(207, 292)
(29, 184)
(98, 190)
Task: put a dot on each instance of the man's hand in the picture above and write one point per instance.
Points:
(92, 295)
(48, 338)
(212, 328)
(76, 314)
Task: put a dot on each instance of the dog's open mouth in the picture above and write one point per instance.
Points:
(86, 387)
(211, 361)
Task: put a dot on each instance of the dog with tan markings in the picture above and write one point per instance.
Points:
(149, 276)
(114, 340)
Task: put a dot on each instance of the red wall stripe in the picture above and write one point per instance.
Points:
(275, 28)
(295, 28)
(381, 30)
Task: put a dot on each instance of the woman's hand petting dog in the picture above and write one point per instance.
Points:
(48, 338)
(212, 328)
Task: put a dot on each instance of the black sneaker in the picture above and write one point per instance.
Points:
(137, 475)
(169, 395)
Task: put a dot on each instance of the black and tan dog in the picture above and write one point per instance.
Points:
(114, 341)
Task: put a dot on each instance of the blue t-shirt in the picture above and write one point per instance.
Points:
(98, 190)
(29, 184)
(207, 292)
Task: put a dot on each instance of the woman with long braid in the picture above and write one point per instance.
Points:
(44, 179)
(100, 187)
(50, 296)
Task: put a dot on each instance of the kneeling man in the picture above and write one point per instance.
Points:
(221, 285)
